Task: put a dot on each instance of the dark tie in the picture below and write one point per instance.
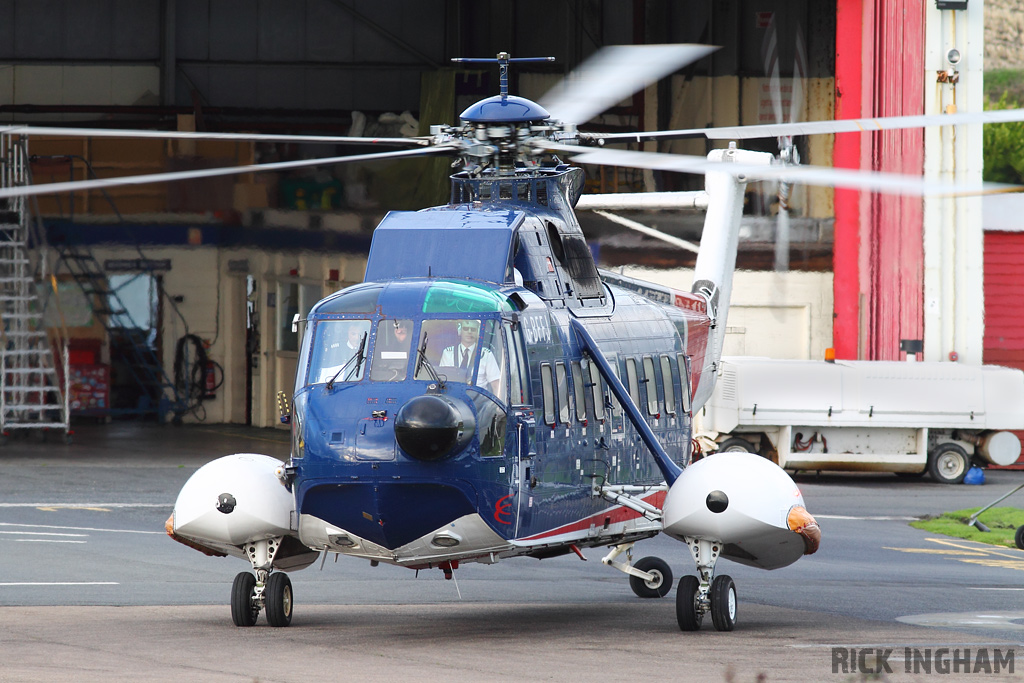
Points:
(463, 362)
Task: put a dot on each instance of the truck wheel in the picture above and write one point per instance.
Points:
(1018, 538)
(948, 463)
(735, 444)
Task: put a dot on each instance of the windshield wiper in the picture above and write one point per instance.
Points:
(422, 360)
(358, 357)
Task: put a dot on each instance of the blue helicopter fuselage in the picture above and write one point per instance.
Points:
(394, 440)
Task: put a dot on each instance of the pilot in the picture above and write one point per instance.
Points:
(402, 333)
(354, 337)
(461, 356)
(392, 351)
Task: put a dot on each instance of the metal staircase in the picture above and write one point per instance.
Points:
(160, 395)
(32, 394)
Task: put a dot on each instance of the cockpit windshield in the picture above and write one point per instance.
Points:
(336, 351)
(464, 349)
(391, 350)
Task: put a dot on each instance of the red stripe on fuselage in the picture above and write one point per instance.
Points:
(614, 515)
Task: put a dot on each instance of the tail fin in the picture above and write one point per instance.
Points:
(712, 276)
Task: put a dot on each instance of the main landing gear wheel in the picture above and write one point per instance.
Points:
(244, 608)
(659, 586)
(687, 614)
(278, 598)
(723, 603)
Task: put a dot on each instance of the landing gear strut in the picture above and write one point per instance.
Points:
(698, 595)
(649, 577)
(252, 593)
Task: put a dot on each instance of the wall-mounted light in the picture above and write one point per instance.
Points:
(951, 4)
(953, 56)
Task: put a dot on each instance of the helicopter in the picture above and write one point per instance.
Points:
(488, 393)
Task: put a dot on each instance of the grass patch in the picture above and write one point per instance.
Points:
(1010, 81)
(1003, 523)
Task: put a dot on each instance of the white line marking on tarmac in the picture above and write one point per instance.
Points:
(38, 533)
(76, 506)
(80, 528)
(985, 588)
(869, 519)
(43, 540)
(63, 583)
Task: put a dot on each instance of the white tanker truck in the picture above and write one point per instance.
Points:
(910, 418)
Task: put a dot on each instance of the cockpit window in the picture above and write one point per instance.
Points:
(463, 349)
(459, 297)
(359, 299)
(336, 350)
(391, 351)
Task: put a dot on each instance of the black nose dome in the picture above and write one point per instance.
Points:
(431, 427)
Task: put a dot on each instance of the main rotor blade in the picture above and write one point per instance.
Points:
(613, 74)
(195, 135)
(74, 186)
(874, 181)
(782, 240)
(796, 98)
(770, 57)
(772, 130)
(647, 230)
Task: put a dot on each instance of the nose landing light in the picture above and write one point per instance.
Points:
(430, 427)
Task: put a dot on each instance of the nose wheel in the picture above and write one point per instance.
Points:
(699, 595)
(252, 593)
(245, 608)
(249, 596)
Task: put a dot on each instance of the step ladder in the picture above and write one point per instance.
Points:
(33, 396)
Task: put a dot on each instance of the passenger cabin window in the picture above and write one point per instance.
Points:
(466, 350)
(684, 380)
(579, 391)
(516, 370)
(616, 406)
(651, 381)
(633, 381)
(562, 383)
(598, 391)
(670, 385)
(547, 385)
(391, 347)
(339, 351)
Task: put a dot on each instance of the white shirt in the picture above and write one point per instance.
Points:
(489, 370)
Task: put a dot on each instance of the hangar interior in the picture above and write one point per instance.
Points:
(204, 278)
